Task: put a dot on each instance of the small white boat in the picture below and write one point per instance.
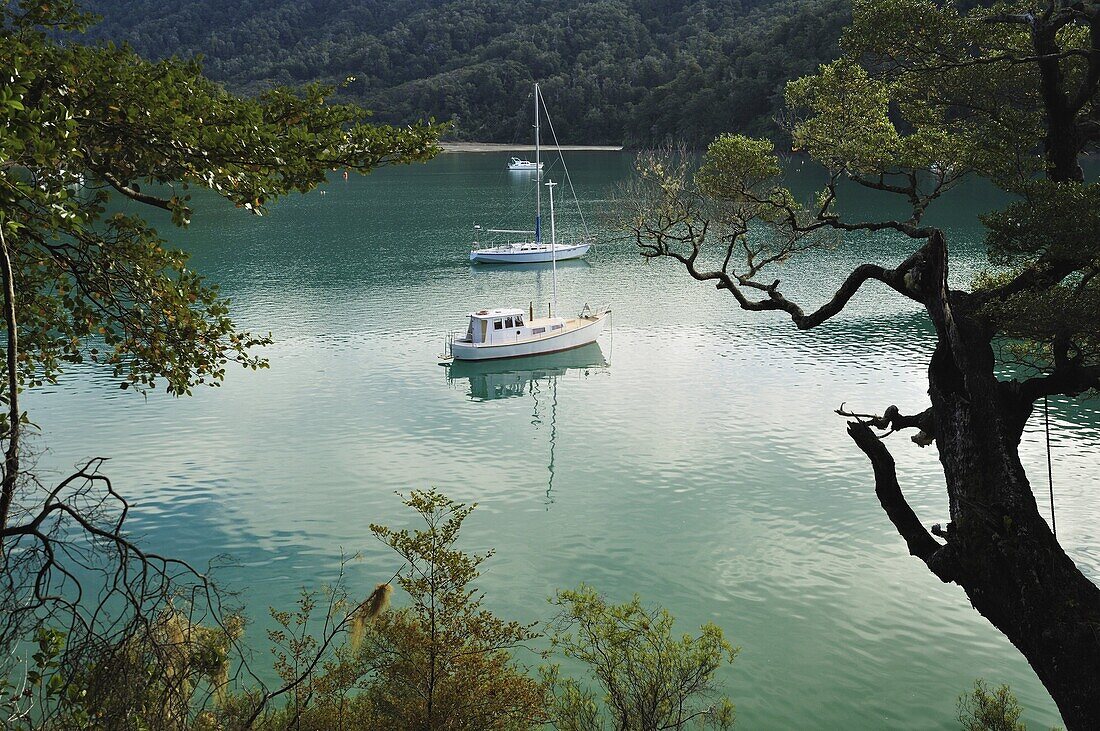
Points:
(511, 333)
(518, 164)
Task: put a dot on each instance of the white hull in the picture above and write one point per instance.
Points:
(528, 253)
(519, 164)
(583, 333)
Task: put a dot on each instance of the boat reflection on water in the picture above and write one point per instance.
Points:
(508, 378)
(536, 376)
(537, 267)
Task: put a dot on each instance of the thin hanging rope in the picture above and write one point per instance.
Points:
(1050, 467)
(565, 168)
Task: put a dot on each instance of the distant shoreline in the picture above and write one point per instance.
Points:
(502, 147)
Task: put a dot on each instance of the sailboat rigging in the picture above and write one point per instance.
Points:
(531, 250)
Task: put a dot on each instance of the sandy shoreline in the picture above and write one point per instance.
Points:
(499, 147)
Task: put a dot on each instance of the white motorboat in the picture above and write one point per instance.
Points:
(531, 248)
(519, 164)
(512, 333)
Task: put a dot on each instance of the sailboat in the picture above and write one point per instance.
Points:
(512, 333)
(534, 249)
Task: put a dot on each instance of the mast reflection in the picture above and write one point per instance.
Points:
(535, 376)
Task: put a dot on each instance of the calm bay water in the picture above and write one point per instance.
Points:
(692, 457)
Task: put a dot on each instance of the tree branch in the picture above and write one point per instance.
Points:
(1042, 274)
(133, 193)
(920, 542)
(1066, 381)
(897, 279)
(11, 457)
(1087, 90)
(892, 420)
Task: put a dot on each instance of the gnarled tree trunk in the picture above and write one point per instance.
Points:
(998, 548)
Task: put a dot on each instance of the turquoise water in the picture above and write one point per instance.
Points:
(692, 457)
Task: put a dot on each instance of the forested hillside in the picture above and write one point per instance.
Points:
(614, 71)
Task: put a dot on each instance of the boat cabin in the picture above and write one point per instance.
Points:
(517, 163)
(494, 327)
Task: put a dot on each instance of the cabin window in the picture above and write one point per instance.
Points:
(498, 325)
(519, 321)
(555, 327)
(508, 323)
(537, 330)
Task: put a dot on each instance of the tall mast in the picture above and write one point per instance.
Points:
(553, 245)
(538, 174)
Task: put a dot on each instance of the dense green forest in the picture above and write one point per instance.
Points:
(614, 71)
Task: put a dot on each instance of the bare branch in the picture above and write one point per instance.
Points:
(894, 278)
(67, 564)
(892, 420)
(920, 542)
(11, 456)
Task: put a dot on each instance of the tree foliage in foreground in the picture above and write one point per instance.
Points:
(441, 662)
(650, 679)
(83, 126)
(82, 123)
(445, 662)
(985, 709)
(925, 96)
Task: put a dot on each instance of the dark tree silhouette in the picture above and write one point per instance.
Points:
(924, 96)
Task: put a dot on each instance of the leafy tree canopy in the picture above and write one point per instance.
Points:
(651, 679)
(925, 96)
(83, 123)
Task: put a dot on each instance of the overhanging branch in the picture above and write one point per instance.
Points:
(901, 279)
(892, 420)
(134, 193)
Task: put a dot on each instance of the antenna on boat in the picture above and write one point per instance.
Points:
(553, 244)
(538, 174)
